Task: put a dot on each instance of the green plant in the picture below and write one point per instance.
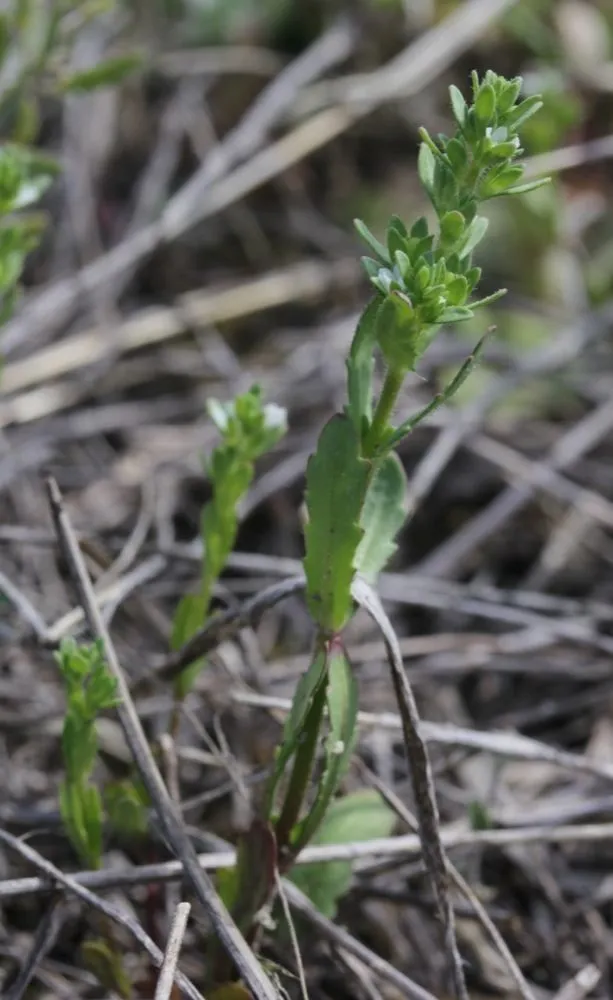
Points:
(248, 428)
(90, 689)
(36, 40)
(423, 279)
(24, 176)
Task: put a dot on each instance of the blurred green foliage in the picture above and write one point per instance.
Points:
(36, 41)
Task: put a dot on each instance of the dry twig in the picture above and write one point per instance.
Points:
(167, 812)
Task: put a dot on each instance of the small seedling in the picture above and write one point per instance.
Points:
(90, 690)
(248, 428)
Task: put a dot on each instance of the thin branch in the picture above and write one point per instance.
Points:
(168, 815)
(407, 846)
(227, 624)
(163, 989)
(293, 936)
(421, 778)
(343, 939)
(498, 742)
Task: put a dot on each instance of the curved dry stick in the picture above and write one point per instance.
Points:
(170, 820)
(226, 624)
(421, 779)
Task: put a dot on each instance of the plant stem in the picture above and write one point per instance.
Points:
(385, 406)
(301, 770)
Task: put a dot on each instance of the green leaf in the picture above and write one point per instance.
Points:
(452, 225)
(106, 74)
(72, 817)
(456, 314)
(363, 815)
(505, 150)
(104, 960)
(384, 513)
(360, 366)
(520, 114)
(528, 186)
(189, 617)
(101, 689)
(509, 94)
(458, 105)
(488, 299)
(397, 224)
(398, 332)
(426, 167)
(419, 229)
(337, 479)
(500, 180)
(79, 742)
(92, 820)
(457, 290)
(485, 103)
(371, 241)
(342, 702)
(473, 235)
(458, 157)
(307, 687)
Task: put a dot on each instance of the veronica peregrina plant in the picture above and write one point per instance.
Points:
(90, 690)
(423, 278)
(248, 428)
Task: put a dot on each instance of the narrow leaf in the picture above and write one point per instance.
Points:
(105, 74)
(360, 367)
(303, 698)
(458, 105)
(385, 510)
(425, 167)
(342, 699)
(474, 234)
(337, 479)
(371, 241)
(485, 103)
(528, 186)
(189, 617)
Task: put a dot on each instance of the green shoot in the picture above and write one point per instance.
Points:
(248, 429)
(423, 279)
(90, 689)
